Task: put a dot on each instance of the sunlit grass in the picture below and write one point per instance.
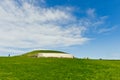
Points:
(21, 68)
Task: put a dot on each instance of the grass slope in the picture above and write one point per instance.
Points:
(21, 68)
(32, 53)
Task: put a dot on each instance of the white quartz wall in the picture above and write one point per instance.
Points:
(57, 55)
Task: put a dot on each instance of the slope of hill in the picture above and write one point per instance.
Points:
(32, 53)
(26, 68)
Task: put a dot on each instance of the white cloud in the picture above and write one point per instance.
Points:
(106, 30)
(91, 12)
(29, 26)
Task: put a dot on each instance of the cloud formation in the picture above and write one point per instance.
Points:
(106, 30)
(24, 25)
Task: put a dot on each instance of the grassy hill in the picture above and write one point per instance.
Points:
(32, 53)
(27, 68)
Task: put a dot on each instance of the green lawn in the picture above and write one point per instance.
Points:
(21, 68)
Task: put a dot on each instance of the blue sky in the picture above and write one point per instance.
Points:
(80, 27)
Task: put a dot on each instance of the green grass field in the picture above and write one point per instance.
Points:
(25, 68)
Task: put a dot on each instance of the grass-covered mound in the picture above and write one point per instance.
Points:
(33, 53)
(26, 68)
